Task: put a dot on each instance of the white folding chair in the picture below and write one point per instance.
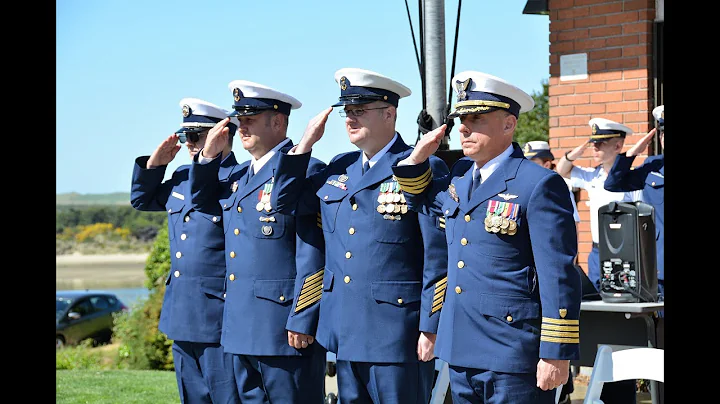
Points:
(624, 364)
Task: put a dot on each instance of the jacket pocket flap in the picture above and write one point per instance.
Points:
(328, 278)
(278, 290)
(397, 293)
(450, 207)
(329, 193)
(654, 180)
(508, 308)
(213, 287)
(174, 205)
(229, 202)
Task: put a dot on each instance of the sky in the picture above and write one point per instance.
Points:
(122, 67)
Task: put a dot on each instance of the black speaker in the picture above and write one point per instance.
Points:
(628, 264)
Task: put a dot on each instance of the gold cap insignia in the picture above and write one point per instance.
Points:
(186, 111)
(237, 95)
(594, 128)
(528, 149)
(461, 86)
(343, 83)
(662, 114)
(563, 313)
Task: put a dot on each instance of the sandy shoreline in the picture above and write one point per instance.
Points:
(100, 258)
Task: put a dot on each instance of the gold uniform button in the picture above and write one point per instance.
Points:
(461, 264)
(231, 277)
(458, 290)
(236, 231)
(354, 207)
(447, 212)
(325, 197)
(215, 219)
(508, 318)
(187, 218)
(224, 294)
(282, 298)
(400, 300)
(352, 230)
(463, 241)
(224, 205)
(348, 254)
(467, 218)
(169, 210)
(652, 183)
(232, 254)
(183, 236)
(346, 279)
(176, 273)
(239, 209)
(178, 254)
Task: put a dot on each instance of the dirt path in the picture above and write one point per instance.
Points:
(99, 271)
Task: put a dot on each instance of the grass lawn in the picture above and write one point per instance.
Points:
(115, 386)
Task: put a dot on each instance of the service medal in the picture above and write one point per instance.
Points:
(381, 198)
(403, 208)
(259, 207)
(267, 207)
(389, 208)
(396, 198)
(381, 208)
(397, 208)
(504, 223)
(495, 229)
(488, 221)
(512, 226)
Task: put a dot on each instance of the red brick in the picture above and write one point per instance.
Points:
(614, 96)
(623, 40)
(588, 2)
(635, 95)
(552, 101)
(560, 4)
(626, 106)
(628, 84)
(606, 53)
(605, 31)
(647, 14)
(637, 28)
(608, 8)
(638, 4)
(570, 143)
(622, 18)
(593, 21)
(612, 117)
(560, 132)
(636, 50)
(590, 109)
(590, 88)
(644, 61)
(644, 38)
(554, 80)
(569, 35)
(561, 90)
(606, 76)
(574, 99)
(561, 111)
(554, 71)
(573, 120)
(553, 122)
(635, 117)
(596, 66)
(635, 74)
(625, 63)
(587, 44)
(561, 25)
(562, 47)
(643, 83)
(573, 13)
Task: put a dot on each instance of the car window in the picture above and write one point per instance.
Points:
(83, 307)
(60, 305)
(100, 303)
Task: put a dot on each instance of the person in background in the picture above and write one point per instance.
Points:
(538, 151)
(510, 321)
(192, 309)
(275, 261)
(650, 178)
(385, 277)
(606, 142)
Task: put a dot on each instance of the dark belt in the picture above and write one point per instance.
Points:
(595, 245)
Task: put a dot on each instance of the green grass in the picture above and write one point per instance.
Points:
(115, 387)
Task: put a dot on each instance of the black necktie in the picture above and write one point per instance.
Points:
(250, 173)
(366, 167)
(476, 181)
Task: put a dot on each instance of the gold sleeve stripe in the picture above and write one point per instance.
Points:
(560, 334)
(560, 327)
(309, 296)
(414, 189)
(560, 321)
(302, 306)
(436, 307)
(442, 219)
(438, 300)
(440, 289)
(316, 275)
(417, 180)
(560, 340)
(314, 285)
(439, 294)
(441, 282)
(442, 225)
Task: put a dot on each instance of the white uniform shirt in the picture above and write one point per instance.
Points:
(592, 180)
(576, 215)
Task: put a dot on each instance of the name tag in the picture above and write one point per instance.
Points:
(178, 195)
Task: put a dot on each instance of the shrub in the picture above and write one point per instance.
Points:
(81, 356)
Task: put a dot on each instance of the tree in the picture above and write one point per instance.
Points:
(534, 124)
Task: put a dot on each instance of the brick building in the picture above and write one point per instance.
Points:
(606, 59)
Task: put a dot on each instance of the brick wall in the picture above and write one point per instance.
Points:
(617, 38)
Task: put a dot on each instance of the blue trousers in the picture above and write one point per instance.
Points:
(281, 379)
(204, 373)
(475, 386)
(385, 383)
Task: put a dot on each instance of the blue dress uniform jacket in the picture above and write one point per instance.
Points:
(274, 262)
(193, 302)
(385, 266)
(513, 294)
(650, 178)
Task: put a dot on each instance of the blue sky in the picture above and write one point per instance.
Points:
(122, 68)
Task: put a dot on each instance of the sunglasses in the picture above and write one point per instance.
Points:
(356, 112)
(191, 136)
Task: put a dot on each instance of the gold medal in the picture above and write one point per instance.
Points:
(504, 223)
(488, 221)
(495, 229)
(396, 198)
(403, 208)
(381, 198)
(267, 207)
(402, 197)
(389, 208)
(381, 208)
(503, 231)
(512, 226)
(488, 229)
(259, 207)
(496, 221)
(511, 232)
(396, 209)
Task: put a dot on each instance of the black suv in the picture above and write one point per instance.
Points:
(82, 314)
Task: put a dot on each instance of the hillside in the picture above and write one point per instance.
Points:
(74, 198)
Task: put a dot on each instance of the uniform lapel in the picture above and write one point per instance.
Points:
(382, 169)
(497, 182)
(228, 167)
(260, 178)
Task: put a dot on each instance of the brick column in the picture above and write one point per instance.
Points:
(616, 36)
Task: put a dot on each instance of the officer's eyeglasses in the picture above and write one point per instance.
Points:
(356, 112)
(191, 136)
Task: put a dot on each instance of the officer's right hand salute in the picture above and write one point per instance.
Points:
(313, 132)
(640, 146)
(217, 139)
(165, 152)
(426, 146)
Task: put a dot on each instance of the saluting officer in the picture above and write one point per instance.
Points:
(385, 265)
(192, 309)
(510, 321)
(650, 178)
(275, 261)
